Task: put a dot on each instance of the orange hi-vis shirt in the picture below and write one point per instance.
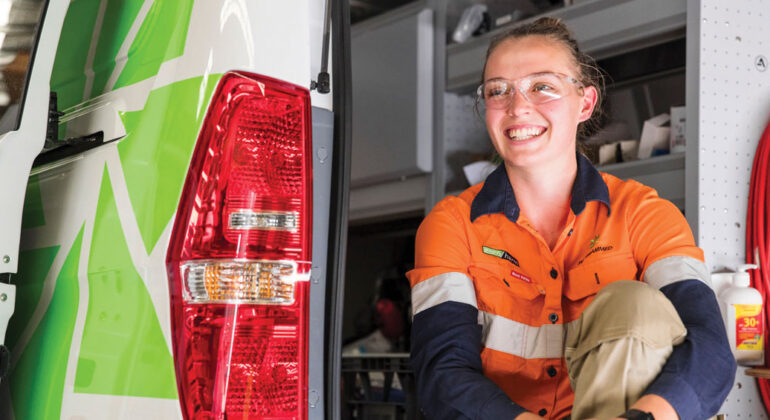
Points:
(477, 251)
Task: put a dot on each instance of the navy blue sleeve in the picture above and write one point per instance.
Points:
(446, 357)
(700, 372)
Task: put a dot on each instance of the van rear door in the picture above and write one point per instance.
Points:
(29, 32)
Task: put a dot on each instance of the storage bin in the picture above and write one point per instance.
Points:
(379, 387)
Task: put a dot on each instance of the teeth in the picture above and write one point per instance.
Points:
(525, 133)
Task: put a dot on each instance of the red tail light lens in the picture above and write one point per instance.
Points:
(239, 258)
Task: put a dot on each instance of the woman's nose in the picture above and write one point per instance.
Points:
(517, 103)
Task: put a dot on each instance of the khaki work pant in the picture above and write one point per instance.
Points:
(618, 347)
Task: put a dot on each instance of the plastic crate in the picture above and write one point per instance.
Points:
(379, 387)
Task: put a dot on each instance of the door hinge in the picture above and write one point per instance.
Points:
(52, 139)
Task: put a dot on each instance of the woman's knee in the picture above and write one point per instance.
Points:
(630, 308)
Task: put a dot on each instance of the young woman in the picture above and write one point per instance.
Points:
(551, 289)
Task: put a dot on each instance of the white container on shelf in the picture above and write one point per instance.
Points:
(655, 135)
(742, 313)
(678, 123)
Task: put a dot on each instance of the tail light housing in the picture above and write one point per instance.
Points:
(239, 257)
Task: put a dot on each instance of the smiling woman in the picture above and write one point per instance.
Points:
(563, 332)
(549, 127)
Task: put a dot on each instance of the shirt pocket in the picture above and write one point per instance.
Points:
(588, 278)
(495, 285)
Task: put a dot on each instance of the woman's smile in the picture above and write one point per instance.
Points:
(519, 134)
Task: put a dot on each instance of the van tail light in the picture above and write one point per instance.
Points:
(239, 258)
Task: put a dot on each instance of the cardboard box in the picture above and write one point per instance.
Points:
(608, 153)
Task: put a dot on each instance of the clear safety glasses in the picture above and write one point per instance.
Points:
(537, 89)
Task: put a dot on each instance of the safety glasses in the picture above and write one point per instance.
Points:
(537, 88)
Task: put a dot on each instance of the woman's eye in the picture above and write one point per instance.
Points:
(495, 91)
(542, 87)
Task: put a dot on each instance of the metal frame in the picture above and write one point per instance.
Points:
(323, 146)
(339, 196)
(436, 188)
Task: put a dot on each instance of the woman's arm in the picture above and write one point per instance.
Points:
(446, 335)
(694, 391)
(665, 249)
(446, 357)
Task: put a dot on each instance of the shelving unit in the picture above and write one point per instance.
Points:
(602, 28)
(607, 29)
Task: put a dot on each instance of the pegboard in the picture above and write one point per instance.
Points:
(733, 107)
(465, 139)
(462, 127)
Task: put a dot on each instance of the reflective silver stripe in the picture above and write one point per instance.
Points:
(508, 336)
(445, 287)
(670, 270)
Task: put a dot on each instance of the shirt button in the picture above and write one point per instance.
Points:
(552, 371)
(570, 232)
(542, 412)
(553, 318)
(554, 273)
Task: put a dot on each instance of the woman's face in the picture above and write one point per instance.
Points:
(527, 135)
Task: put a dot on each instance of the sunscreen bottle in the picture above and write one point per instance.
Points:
(742, 312)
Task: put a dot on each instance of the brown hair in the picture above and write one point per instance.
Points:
(589, 73)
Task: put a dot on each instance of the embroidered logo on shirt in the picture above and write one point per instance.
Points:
(595, 249)
(499, 253)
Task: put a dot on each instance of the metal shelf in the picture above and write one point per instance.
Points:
(388, 199)
(636, 168)
(602, 28)
(664, 173)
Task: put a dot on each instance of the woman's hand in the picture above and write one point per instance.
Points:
(659, 407)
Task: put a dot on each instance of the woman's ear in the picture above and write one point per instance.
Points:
(587, 103)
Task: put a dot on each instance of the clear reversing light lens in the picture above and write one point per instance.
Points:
(244, 282)
(246, 219)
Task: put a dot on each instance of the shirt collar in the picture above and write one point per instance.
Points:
(497, 196)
